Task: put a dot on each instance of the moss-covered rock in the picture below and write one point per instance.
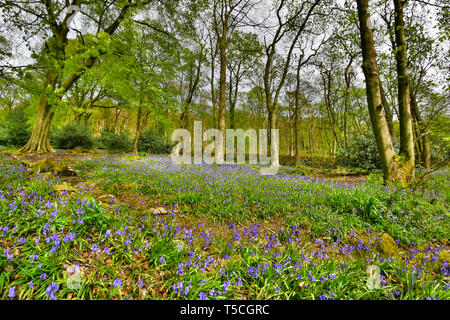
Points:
(65, 171)
(44, 165)
(64, 187)
(387, 244)
(443, 256)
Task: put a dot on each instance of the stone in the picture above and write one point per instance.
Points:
(64, 187)
(46, 176)
(65, 171)
(387, 244)
(44, 165)
(158, 210)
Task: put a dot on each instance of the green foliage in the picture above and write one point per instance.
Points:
(114, 142)
(73, 135)
(14, 131)
(361, 152)
(152, 142)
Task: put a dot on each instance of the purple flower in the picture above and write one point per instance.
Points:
(177, 287)
(202, 296)
(162, 260)
(180, 269)
(51, 290)
(117, 283)
(226, 285)
(12, 292)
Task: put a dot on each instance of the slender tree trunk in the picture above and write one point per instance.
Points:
(230, 100)
(404, 103)
(347, 99)
(330, 111)
(422, 137)
(310, 132)
(138, 130)
(296, 111)
(220, 152)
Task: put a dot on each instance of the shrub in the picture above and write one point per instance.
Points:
(361, 152)
(152, 142)
(15, 132)
(73, 135)
(114, 142)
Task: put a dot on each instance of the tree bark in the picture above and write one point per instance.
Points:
(404, 103)
(347, 77)
(138, 130)
(312, 150)
(422, 137)
(38, 141)
(395, 168)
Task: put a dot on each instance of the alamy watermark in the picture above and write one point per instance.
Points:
(182, 152)
(373, 281)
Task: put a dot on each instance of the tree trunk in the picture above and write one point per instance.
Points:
(230, 100)
(330, 111)
(38, 141)
(220, 152)
(404, 104)
(296, 111)
(394, 167)
(347, 99)
(310, 132)
(387, 112)
(422, 137)
(138, 130)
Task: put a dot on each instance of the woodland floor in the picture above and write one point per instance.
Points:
(141, 228)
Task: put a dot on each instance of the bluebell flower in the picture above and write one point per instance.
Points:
(12, 292)
(180, 269)
(117, 283)
(51, 290)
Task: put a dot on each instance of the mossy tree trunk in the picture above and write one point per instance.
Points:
(396, 168)
(404, 103)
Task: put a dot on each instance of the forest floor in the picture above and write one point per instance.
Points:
(133, 227)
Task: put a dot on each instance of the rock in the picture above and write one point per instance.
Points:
(64, 187)
(443, 256)
(387, 244)
(78, 149)
(65, 171)
(47, 165)
(158, 210)
(46, 176)
(106, 198)
(44, 165)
